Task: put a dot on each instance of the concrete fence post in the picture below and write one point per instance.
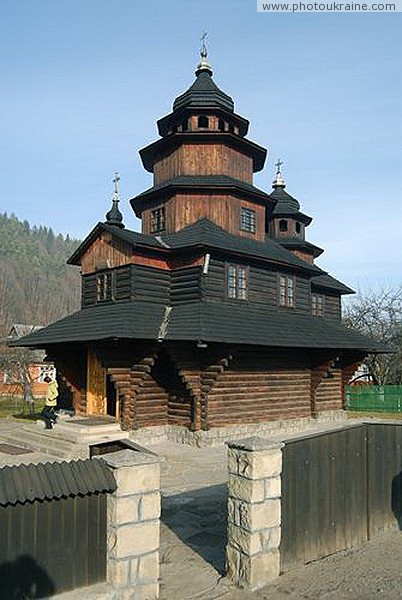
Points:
(133, 513)
(254, 512)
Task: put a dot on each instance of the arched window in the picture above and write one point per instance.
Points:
(203, 122)
(221, 125)
(283, 225)
(231, 128)
(184, 125)
(298, 228)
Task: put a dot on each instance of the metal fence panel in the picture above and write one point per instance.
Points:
(384, 477)
(374, 398)
(324, 502)
(51, 546)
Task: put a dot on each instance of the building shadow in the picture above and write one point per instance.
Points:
(396, 498)
(23, 579)
(199, 519)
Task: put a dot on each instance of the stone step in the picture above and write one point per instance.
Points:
(47, 442)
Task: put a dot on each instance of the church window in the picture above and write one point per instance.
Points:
(104, 289)
(237, 282)
(283, 225)
(247, 220)
(298, 228)
(317, 305)
(158, 220)
(203, 122)
(221, 125)
(286, 291)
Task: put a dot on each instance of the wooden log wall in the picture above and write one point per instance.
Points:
(131, 282)
(204, 159)
(263, 287)
(328, 395)
(221, 208)
(254, 389)
(186, 284)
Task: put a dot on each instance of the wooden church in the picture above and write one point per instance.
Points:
(215, 315)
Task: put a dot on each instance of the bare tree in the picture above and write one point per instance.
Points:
(379, 315)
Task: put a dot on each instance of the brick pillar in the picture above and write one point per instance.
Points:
(133, 513)
(254, 512)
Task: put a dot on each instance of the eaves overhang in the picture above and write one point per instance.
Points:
(201, 185)
(150, 154)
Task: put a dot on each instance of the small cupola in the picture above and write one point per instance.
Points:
(114, 216)
(287, 219)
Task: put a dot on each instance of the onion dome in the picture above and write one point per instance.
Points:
(114, 216)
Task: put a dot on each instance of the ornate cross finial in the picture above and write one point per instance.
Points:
(279, 181)
(204, 66)
(278, 166)
(116, 186)
(204, 51)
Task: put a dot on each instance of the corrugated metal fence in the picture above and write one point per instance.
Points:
(339, 489)
(53, 527)
(374, 398)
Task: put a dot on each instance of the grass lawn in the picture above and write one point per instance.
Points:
(14, 406)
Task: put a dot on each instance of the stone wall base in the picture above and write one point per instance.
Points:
(219, 435)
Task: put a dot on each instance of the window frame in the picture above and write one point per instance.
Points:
(248, 224)
(317, 304)
(157, 221)
(240, 287)
(286, 291)
(105, 291)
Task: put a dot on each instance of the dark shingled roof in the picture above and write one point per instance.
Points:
(295, 243)
(120, 320)
(208, 234)
(204, 234)
(287, 205)
(44, 481)
(204, 93)
(330, 283)
(235, 322)
(202, 183)
(241, 323)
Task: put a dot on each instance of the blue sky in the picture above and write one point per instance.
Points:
(83, 83)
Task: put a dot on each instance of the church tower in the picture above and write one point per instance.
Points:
(203, 166)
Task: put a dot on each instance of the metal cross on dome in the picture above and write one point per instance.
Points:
(204, 51)
(278, 166)
(116, 185)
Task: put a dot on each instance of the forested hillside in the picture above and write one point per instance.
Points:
(36, 285)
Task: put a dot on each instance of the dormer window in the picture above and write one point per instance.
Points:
(287, 291)
(237, 282)
(203, 122)
(158, 220)
(247, 220)
(283, 225)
